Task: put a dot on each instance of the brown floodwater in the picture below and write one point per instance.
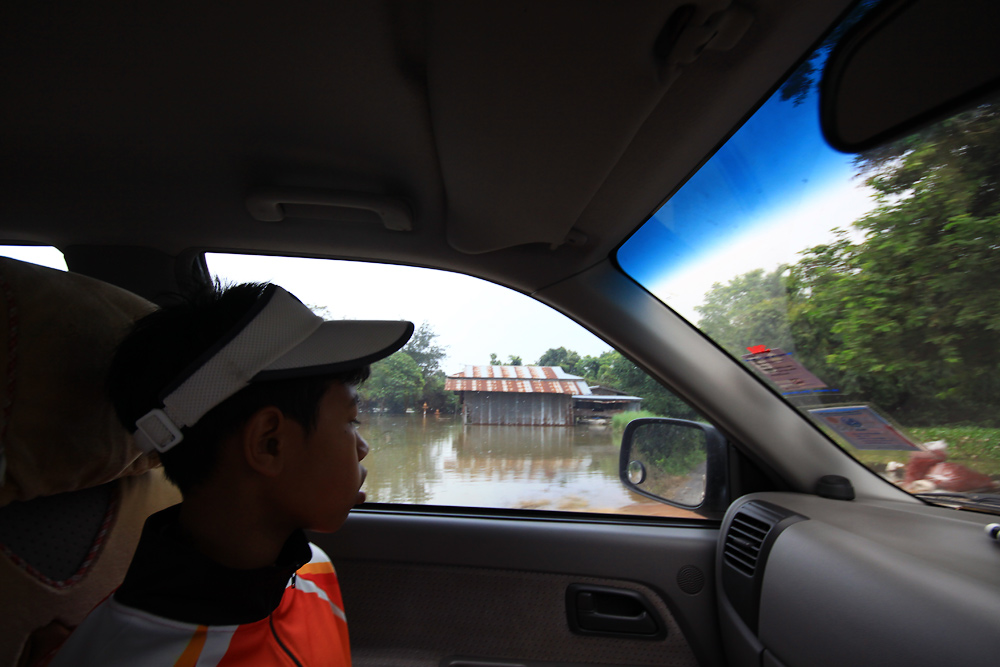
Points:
(438, 461)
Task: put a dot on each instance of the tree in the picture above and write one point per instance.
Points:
(752, 309)
(908, 317)
(911, 307)
(591, 367)
(611, 369)
(806, 77)
(512, 360)
(322, 311)
(424, 351)
(395, 383)
(435, 395)
(427, 354)
(566, 359)
(620, 373)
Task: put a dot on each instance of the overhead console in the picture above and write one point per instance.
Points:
(809, 582)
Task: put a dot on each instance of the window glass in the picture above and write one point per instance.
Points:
(864, 288)
(35, 254)
(459, 416)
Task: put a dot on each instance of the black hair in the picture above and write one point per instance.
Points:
(163, 344)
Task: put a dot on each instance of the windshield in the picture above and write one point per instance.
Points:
(864, 288)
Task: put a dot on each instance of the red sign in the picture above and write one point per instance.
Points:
(780, 368)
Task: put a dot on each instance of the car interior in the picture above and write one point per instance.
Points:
(520, 143)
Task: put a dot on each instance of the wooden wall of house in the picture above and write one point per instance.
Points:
(516, 409)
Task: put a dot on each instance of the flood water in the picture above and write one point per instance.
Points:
(437, 461)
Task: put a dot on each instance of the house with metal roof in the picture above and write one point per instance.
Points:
(517, 395)
(604, 402)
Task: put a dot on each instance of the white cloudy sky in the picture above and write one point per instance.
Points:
(472, 317)
(776, 239)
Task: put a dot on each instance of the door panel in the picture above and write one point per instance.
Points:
(429, 589)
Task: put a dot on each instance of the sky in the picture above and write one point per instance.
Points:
(472, 317)
(774, 189)
(777, 240)
(44, 255)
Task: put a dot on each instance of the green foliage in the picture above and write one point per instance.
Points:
(908, 317)
(560, 356)
(667, 451)
(964, 442)
(806, 77)
(494, 359)
(974, 446)
(435, 395)
(751, 309)
(395, 384)
(399, 385)
(514, 360)
(611, 369)
(422, 349)
(618, 372)
(621, 420)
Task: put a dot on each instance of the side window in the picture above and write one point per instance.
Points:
(497, 401)
(35, 254)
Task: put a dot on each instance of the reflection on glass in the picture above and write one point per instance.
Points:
(423, 460)
(672, 458)
(864, 288)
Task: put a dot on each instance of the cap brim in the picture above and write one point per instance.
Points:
(339, 345)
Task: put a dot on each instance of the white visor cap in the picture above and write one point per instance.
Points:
(279, 338)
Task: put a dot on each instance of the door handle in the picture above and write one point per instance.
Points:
(618, 612)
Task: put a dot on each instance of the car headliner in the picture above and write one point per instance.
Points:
(527, 138)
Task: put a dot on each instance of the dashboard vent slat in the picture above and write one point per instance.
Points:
(744, 541)
(746, 545)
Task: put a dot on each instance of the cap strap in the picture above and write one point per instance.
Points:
(281, 324)
(156, 431)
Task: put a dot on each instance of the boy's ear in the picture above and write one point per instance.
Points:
(264, 440)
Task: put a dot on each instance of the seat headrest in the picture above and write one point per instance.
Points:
(58, 429)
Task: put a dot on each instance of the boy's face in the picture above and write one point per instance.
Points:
(325, 473)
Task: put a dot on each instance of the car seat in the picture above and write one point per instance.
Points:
(74, 489)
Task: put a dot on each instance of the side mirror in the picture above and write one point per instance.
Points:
(678, 462)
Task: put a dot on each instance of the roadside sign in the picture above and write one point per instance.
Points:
(780, 368)
(864, 428)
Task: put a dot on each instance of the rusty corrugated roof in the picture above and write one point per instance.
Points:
(517, 372)
(517, 379)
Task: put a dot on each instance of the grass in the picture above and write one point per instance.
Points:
(621, 420)
(977, 447)
(973, 442)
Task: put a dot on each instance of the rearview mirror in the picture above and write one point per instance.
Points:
(905, 64)
(675, 461)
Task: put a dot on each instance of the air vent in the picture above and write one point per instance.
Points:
(744, 541)
(748, 540)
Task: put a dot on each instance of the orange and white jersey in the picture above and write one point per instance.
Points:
(308, 628)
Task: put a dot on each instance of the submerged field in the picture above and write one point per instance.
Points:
(438, 461)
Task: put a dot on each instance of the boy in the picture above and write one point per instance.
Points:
(250, 400)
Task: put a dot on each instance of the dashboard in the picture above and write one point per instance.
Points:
(807, 581)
